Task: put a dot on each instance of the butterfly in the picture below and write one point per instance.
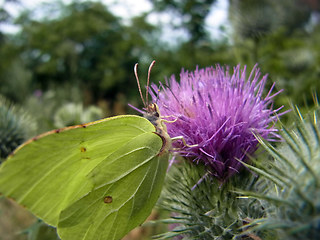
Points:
(92, 181)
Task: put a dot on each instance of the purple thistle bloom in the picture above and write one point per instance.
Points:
(219, 113)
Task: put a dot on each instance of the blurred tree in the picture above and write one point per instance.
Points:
(14, 77)
(85, 46)
(254, 19)
(280, 36)
(192, 14)
(197, 50)
(5, 17)
(293, 62)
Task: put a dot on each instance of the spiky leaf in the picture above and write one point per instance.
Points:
(293, 194)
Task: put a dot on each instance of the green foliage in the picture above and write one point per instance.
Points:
(60, 108)
(90, 181)
(292, 62)
(281, 38)
(83, 45)
(16, 126)
(293, 179)
(203, 208)
(86, 46)
(192, 13)
(255, 19)
(15, 78)
(74, 114)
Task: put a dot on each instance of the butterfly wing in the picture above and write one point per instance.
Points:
(87, 178)
(122, 199)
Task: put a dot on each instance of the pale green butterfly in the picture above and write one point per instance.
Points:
(92, 181)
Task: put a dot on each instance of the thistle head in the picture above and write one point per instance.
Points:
(218, 112)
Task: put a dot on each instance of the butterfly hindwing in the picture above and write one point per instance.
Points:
(131, 193)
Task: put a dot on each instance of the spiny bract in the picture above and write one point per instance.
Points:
(293, 177)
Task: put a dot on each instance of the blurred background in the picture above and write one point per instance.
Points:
(69, 62)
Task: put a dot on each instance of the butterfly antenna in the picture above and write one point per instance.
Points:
(138, 82)
(148, 81)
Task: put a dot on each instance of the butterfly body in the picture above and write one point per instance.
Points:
(153, 115)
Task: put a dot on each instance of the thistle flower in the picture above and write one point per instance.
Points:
(218, 113)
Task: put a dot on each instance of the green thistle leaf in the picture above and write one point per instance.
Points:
(293, 177)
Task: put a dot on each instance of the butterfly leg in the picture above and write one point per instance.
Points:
(168, 121)
(184, 141)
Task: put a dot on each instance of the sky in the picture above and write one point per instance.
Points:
(129, 8)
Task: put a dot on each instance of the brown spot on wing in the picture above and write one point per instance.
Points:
(107, 199)
(84, 155)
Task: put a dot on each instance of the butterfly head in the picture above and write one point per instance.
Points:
(152, 113)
